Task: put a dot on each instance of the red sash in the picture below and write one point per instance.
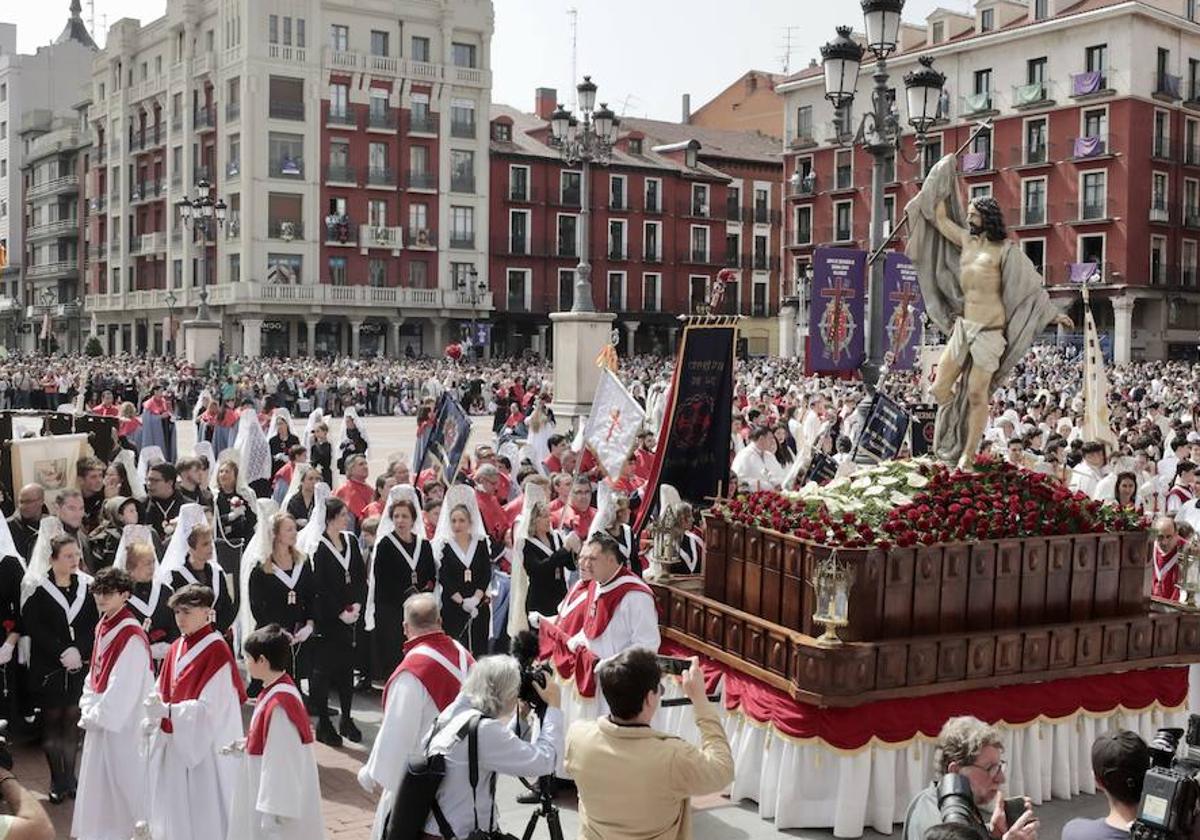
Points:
(112, 634)
(282, 694)
(1166, 573)
(605, 600)
(439, 662)
(196, 669)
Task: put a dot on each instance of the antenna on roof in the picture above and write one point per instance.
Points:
(786, 58)
(573, 15)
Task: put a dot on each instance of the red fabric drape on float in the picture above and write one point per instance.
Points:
(899, 721)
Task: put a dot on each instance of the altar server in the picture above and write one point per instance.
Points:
(425, 682)
(278, 794)
(197, 710)
(112, 774)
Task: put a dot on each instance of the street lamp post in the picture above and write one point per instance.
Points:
(49, 298)
(202, 213)
(474, 290)
(171, 300)
(879, 130)
(587, 139)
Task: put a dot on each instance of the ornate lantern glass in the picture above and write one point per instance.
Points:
(882, 18)
(841, 58)
(924, 90)
(831, 583)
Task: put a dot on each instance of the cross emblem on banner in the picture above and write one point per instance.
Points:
(837, 327)
(614, 423)
(900, 324)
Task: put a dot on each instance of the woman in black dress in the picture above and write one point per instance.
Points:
(148, 601)
(547, 561)
(466, 570)
(200, 566)
(281, 591)
(282, 439)
(299, 504)
(235, 520)
(340, 585)
(320, 452)
(403, 566)
(689, 553)
(60, 620)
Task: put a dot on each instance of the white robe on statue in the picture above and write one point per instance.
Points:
(191, 783)
(113, 773)
(278, 796)
(409, 714)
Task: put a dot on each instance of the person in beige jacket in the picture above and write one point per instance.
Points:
(636, 783)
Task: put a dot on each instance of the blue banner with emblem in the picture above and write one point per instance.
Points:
(884, 432)
(837, 310)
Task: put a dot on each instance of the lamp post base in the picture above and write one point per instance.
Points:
(201, 341)
(578, 339)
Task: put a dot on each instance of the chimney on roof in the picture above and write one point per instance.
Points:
(545, 102)
(687, 108)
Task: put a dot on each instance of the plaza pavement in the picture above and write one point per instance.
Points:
(349, 812)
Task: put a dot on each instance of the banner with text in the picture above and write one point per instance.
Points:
(902, 309)
(693, 444)
(884, 432)
(837, 310)
(923, 417)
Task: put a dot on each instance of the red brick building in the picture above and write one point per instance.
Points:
(676, 205)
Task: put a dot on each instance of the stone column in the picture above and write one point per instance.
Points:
(311, 323)
(252, 337)
(394, 349)
(292, 339)
(439, 337)
(787, 331)
(543, 348)
(631, 328)
(672, 332)
(1122, 329)
(355, 326)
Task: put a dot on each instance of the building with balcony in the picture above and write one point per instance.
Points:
(1094, 157)
(47, 83)
(342, 141)
(676, 205)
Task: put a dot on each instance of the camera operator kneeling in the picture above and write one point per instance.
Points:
(1119, 763)
(967, 791)
(491, 688)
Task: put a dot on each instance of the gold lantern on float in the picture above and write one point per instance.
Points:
(831, 583)
(1189, 573)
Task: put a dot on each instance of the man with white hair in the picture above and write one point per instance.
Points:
(425, 682)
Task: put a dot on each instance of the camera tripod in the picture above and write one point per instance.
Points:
(546, 809)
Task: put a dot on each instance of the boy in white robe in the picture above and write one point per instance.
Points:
(195, 713)
(112, 777)
(278, 793)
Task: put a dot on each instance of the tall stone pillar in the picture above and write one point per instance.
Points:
(355, 326)
(631, 328)
(252, 337)
(311, 323)
(1122, 329)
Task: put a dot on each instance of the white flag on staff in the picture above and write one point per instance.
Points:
(612, 427)
(1096, 423)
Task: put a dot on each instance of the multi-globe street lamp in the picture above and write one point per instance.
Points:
(171, 300)
(207, 217)
(879, 131)
(585, 140)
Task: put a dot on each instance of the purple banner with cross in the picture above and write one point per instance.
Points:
(837, 310)
(903, 309)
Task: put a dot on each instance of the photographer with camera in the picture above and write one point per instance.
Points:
(28, 820)
(612, 758)
(1119, 763)
(489, 695)
(968, 791)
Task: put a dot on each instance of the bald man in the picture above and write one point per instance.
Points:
(31, 507)
(1165, 565)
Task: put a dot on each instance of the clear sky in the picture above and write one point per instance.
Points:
(643, 54)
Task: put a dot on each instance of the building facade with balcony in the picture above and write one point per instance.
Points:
(48, 83)
(675, 206)
(1094, 156)
(340, 140)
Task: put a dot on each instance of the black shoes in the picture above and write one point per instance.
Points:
(326, 734)
(349, 731)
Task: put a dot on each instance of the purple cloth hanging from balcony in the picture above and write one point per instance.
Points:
(974, 162)
(1085, 83)
(1088, 147)
(1081, 272)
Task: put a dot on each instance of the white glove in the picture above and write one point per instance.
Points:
(87, 723)
(155, 708)
(159, 650)
(348, 616)
(237, 512)
(473, 612)
(365, 781)
(535, 620)
(6, 652)
(576, 642)
(71, 659)
(471, 604)
(302, 634)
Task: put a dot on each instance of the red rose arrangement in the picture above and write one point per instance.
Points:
(996, 501)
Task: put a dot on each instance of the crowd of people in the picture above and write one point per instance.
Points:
(125, 600)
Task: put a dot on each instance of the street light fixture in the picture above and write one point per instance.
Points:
(473, 289)
(587, 139)
(879, 130)
(171, 300)
(202, 213)
(49, 299)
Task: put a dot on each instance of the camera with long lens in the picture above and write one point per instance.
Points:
(1170, 790)
(956, 804)
(524, 649)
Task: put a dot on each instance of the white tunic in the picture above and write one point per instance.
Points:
(191, 784)
(757, 469)
(1085, 478)
(278, 794)
(113, 772)
(409, 714)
